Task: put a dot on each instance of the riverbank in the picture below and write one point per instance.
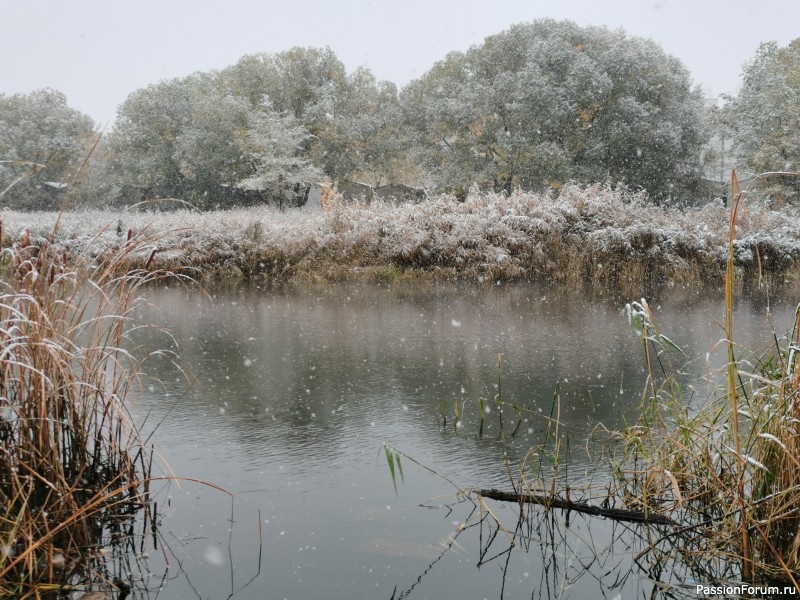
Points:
(595, 235)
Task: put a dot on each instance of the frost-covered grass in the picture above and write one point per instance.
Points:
(592, 234)
(73, 468)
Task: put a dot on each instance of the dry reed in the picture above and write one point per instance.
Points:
(596, 235)
(728, 472)
(73, 469)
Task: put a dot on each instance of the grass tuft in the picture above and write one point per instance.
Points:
(73, 468)
(727, 471)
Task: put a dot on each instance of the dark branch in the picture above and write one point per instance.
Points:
(618, 514)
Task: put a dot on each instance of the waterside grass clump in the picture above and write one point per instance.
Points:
(724, 473)
(601, 235)
(73, 469)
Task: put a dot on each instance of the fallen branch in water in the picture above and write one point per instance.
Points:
(618, 514)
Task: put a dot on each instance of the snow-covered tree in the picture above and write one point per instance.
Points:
(765, 116)
(181, 138)
(142, 159)
(549, 101)
(353, 118)
(364, 138)
(43, 143)
(208, 147)
(274, 148)
(267, 124)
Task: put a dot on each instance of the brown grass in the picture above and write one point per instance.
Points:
(73, 469)
(728, 471)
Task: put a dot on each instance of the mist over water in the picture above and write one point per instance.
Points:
(295, 390)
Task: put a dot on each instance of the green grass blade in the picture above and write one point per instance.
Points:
(399, 468)
(390, 460)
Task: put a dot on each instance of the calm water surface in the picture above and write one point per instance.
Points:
(293, 392)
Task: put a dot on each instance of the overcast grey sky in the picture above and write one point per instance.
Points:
(98, 51)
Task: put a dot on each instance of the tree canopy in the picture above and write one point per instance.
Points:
(765, 116)
(263, 128)
(43, 143)
(550, 101)
(537, 105)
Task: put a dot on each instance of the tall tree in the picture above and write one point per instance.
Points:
(354, 120)
(43, 143)
(142, 157)
(765, 116)
(189, 138)
(259, 130)
(549, 101)
(208, 149)
(364, 138)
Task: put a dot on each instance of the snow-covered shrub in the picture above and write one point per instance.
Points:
(584, 234)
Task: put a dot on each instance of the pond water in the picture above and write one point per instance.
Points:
(293, 392)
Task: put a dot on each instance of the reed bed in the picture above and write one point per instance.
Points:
(73, 468)
(601, 235)
(726, 472)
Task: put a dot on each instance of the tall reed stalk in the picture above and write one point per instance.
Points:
(732, 368)
(73, 468)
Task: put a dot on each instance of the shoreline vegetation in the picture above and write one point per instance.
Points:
(598, 235)
(75, 472)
